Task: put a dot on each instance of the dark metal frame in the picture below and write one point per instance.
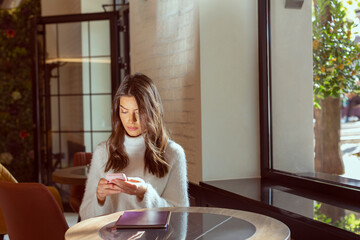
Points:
(114, 37)
(335, 190)
(116, 68)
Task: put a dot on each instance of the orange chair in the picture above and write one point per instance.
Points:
(5, 176)
(31, 212)
(77, 191)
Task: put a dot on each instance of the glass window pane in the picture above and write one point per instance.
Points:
(292, 113)
(70, 77)
(309, 140)
(64, 146)
(51, 42)
(86, 76)
(54, 101)
(100, 75)
(59, 156)
(74, 142)
(101, 113)
(99, 38)
(71, 110)
(87, 142)
(55, 142)
(100, 137)
(85, 38)
(69, 37)
(54, 83)
(87, 115)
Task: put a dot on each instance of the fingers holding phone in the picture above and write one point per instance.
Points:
(115, 183)
(135, 186)
(105, 188)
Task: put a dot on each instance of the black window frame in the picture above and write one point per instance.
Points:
(338, 191)
(120, 66)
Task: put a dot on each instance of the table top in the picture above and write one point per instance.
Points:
(188, 223)
(72, 175)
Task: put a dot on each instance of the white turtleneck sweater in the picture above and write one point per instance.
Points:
(170, 190)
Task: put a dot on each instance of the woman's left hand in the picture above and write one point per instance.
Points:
(132, 186)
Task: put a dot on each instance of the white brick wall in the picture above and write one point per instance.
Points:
(164, 44)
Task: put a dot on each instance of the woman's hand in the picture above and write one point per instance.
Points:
(133, 186)
(104, 189)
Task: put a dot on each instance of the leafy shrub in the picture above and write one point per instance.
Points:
(16, 120)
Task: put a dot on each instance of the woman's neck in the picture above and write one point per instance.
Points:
(134, 141)
(134, 145)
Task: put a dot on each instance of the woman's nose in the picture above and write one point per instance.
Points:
(132, 118)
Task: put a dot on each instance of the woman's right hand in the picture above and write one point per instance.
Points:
(105, 188)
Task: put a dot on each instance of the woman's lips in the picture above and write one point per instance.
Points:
(132, 128)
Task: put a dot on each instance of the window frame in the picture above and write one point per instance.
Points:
(336, 190)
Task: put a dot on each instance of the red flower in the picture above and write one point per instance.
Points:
(23, 134)
(10, 33)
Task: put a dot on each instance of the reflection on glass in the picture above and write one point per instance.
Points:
(187, 225)
(339, 217)
(232, 228)
(177, 229)
(344, 219)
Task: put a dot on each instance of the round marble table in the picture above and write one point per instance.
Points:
(188, 223)
(72, 175)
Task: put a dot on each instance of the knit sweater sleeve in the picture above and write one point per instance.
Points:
(90, 206)
(175, 193)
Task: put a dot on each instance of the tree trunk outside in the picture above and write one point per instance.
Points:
(328, 157)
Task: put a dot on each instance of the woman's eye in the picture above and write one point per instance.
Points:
(123, 112)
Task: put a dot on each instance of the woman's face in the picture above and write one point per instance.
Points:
(129, 115)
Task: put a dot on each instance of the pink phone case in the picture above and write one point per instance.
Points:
(112, 176)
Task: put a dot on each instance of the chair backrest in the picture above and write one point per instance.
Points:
(77, 191)
(5, 176)
(82, 158)
(31, 212)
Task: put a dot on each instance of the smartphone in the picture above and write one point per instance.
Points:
(112, 176)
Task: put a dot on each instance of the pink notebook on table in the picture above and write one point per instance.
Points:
(144, 219)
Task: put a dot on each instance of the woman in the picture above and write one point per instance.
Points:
(140, 148)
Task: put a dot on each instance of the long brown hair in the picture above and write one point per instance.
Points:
(151, 119)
